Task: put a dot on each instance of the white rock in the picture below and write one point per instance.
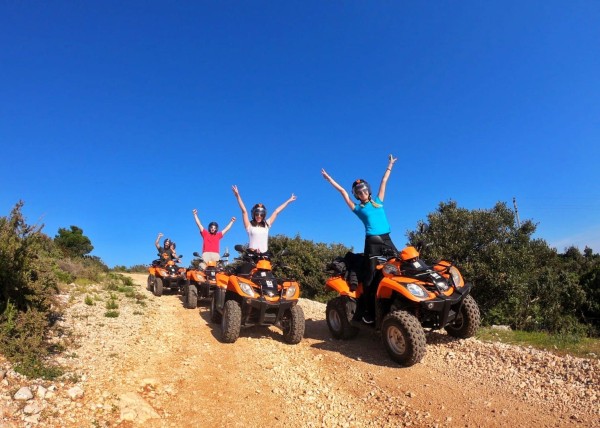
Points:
(135, 408)
(32, 409)
(23, 394)
(75, 393)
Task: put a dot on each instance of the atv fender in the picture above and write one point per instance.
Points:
(222, 280)
(387, 286)
(339, 285)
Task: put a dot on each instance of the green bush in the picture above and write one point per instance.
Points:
(28, 289)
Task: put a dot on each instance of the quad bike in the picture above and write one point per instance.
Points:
(250, 295)
(201, 282)
(165, 274)
(410, 297)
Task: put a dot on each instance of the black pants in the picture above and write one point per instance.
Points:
(374, 246)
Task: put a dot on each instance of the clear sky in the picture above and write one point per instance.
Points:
(120, 117)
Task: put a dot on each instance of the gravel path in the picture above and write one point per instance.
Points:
(160, 365)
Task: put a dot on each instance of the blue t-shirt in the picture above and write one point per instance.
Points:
(374, 219)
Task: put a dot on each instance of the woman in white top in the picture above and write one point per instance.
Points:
(258, 227)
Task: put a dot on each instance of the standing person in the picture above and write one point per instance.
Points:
(371, 212)
(211, 239)
(258, 227)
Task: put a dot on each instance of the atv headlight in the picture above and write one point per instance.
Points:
(290, 292)
(456, 277)
(390, 269)
(442, 285)
(247, 289)
(416, 290)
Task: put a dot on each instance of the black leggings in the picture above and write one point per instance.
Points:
(374, 246)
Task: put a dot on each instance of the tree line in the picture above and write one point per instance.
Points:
(518, 280)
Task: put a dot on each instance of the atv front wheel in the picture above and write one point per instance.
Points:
(191, 296)
(150, 283)
(231, 322)
(467, 320)
(403, 337)
(339, 313)
(292, 324)
(158, 287)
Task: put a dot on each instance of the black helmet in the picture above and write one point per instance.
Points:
(210, 225)
(174, 245)
(359, 185)
(259, 209)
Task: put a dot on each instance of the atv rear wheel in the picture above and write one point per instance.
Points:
(231, 322)
(215, 316)
(467, 320)
(191, 296)
(403, 337)
(150, 283)
(339, 313)
(292, 324)
(158, 286)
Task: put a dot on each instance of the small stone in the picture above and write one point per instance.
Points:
(23, 394)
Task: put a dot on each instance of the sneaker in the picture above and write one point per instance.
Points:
(367, 319)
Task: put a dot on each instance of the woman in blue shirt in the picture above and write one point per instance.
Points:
(371, 212)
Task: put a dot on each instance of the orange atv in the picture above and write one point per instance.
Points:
(411, 295)
(250, 294)
(201, 282)
(164, 274)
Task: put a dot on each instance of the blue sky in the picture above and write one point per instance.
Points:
(121, 117)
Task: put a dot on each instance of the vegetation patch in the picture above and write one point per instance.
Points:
(559, 344)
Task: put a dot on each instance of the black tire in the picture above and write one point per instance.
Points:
(150, 283)
(231, 322)
(467, 321)
(403, 337)
(182, 285)
(158, 286)
(215, 316)
(292, 324)
(191, 296)
(339, 313)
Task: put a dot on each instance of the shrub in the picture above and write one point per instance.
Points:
(28, 288)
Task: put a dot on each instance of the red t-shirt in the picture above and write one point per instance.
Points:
(211, 242)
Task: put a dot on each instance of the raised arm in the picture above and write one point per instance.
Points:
(236, 192)
(157, 242)
(200, 227)
(279, 209)
(226, 229)
(386, 175)
(339, 189)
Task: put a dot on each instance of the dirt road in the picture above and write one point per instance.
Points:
(163, 366)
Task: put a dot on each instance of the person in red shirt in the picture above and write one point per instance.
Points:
(211, 238)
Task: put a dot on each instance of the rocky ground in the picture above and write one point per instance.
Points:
(160, 365)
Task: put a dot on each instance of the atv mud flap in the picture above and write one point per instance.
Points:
(447, 306)
(270, 313)
(219, 297)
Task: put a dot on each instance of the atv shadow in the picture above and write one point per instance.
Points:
(251, 332)
(367, 346)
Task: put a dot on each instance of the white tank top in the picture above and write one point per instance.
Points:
(258, 238)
